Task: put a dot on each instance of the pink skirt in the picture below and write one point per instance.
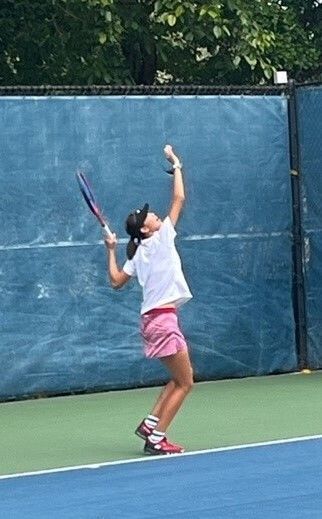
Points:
(161, 333)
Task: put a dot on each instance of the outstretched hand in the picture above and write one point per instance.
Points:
(170, 155)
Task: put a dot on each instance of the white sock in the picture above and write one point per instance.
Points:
(151, 421)
(156, 436)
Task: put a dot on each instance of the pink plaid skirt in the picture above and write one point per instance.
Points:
(161, 333)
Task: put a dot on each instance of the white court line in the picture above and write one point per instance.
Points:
(194, 237)
(155, 458)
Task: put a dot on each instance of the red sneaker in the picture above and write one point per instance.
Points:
(143, 431)
(164, 447)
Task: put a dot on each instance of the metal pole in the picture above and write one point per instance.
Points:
(298, 241)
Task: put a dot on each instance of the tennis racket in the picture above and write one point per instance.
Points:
(91, 202)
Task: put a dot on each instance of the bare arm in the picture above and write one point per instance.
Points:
(117, 277)
(178, 196)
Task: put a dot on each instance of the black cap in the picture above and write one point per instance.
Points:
(135, 221)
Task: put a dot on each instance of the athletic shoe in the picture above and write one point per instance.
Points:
(164, 447)
(143, 430)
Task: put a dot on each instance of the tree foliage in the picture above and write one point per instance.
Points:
(146, 41)
(60, 42)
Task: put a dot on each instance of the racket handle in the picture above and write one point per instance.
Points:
(107, 230)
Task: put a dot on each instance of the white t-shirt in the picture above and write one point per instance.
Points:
(157, 266)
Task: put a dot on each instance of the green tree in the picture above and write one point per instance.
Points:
(309, 13)
(61, 42)
(146, 41)
(233, 41)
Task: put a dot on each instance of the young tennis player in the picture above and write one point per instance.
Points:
(154, 260)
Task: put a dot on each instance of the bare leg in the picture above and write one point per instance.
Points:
(171, 399)
(162, 397)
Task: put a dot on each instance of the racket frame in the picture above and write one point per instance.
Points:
(91, 202)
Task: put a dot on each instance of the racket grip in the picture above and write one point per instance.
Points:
(107, 230)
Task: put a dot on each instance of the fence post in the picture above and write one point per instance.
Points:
(298, 243)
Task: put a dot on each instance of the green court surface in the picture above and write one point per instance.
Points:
(84, 429)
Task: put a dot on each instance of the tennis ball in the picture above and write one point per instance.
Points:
(306, 371)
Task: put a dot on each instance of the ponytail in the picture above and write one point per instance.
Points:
(133, 244)
(132, 247)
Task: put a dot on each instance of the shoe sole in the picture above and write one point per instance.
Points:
(156, 453)
(160, 453)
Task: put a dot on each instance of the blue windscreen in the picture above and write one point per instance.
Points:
(63, 328)
(310, 137)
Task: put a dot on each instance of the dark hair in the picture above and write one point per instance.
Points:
(133, 225)
(132, 247)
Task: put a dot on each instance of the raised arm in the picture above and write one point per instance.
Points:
(117, 277)
(178, 196)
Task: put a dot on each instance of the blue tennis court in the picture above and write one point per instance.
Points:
(271, 480)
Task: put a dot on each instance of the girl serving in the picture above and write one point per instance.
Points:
(154, 260)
